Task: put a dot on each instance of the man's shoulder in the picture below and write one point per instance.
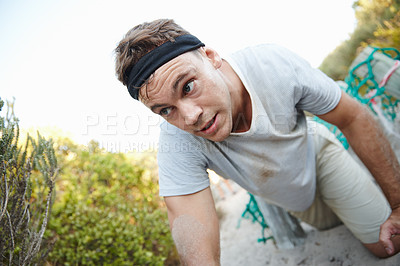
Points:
(169, 130)
(264, 48)
(172, 135)
(263, 55)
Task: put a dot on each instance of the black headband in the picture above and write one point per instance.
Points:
(151, 61)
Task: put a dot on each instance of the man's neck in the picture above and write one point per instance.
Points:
(241, 101)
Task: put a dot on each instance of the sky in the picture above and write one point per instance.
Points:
(57, 60)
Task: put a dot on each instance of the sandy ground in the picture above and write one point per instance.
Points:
(239, 246)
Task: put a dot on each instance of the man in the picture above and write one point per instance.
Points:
(243, 118)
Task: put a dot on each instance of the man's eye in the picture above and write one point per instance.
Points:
(165, 111)
(188, 87)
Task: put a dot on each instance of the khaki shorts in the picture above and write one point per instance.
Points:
(346, 192)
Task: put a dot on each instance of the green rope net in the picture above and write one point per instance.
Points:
(253, 212)
(367, 89)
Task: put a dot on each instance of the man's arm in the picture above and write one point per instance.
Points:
(194, 226)
(372, 147)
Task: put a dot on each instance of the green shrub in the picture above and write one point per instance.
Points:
(108, 211)
(122, 235)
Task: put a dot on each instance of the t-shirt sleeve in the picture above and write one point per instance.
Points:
(314, 92)
(284, 81)
(181, 164)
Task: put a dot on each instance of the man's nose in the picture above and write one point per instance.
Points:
(190, 113)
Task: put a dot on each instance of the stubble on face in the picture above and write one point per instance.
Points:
(212, 93)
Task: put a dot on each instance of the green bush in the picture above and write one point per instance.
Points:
(110, 236)
(107, 210)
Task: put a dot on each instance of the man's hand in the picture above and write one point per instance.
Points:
(389, 230)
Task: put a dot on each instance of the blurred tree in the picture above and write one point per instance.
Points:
(388, 32)
(375, 19)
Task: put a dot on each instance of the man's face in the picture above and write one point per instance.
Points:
(191, 93)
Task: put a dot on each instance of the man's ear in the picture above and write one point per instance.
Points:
(213, 56)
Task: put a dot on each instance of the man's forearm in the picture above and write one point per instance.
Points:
(195, 228)
(195, 243)
(369, 143)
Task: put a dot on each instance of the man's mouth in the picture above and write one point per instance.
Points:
(209, 124)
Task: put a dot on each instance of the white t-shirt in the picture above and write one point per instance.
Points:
(275, 159)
